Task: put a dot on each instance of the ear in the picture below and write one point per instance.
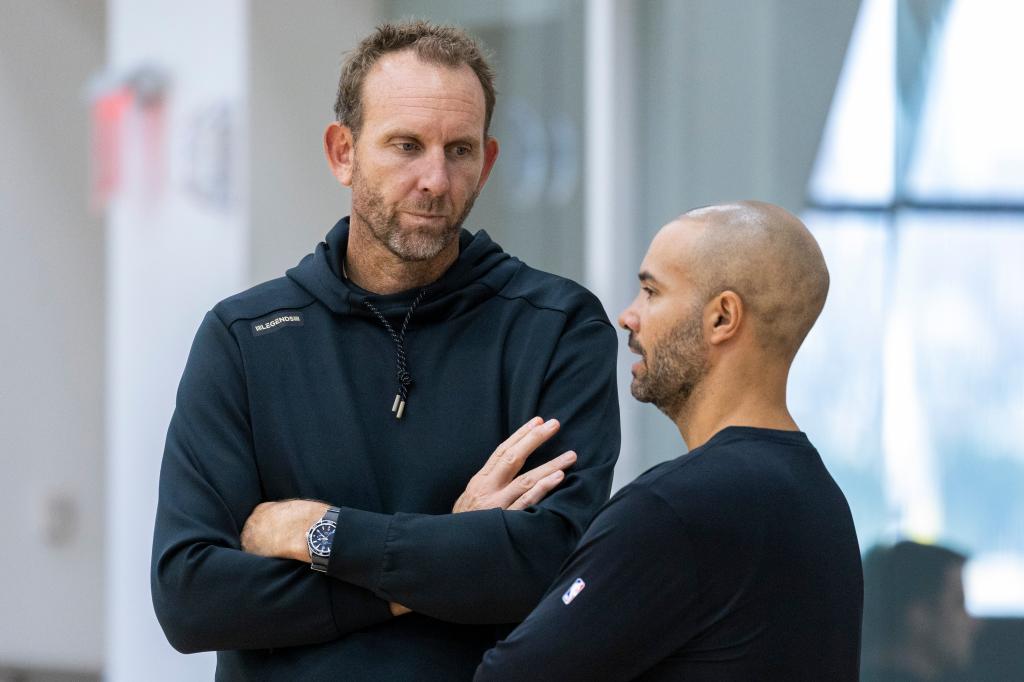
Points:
(723, 317)
(490, 156)
(340, 148)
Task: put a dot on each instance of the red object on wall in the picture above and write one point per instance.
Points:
(129, 127)
(109, 112)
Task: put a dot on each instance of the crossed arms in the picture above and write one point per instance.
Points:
(489, 563)
(278, 529)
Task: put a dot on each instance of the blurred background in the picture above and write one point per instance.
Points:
(159, 156)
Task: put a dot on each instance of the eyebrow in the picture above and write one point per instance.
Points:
(403, 132)
(399, 132)
(645, 276)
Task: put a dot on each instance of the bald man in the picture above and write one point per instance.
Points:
(737, 560)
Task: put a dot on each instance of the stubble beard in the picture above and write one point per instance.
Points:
(409, 244)
(674, 368)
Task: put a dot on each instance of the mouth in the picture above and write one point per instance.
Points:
(634, 347)
(427, 216)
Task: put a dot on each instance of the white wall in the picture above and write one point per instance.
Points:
(51, 340)
(295, 52)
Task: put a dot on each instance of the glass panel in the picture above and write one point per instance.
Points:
(912, 384)
(855, 160)
(835, 387)
(970, 148)
(960, 288)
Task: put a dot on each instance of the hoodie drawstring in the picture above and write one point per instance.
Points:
(404, 378)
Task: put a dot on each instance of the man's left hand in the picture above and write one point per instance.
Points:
(278, 529)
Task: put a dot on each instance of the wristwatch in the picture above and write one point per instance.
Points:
(320, 539)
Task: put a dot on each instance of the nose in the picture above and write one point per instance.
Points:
(629, 320)
(434, 180)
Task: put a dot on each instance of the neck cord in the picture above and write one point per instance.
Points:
(405, 379)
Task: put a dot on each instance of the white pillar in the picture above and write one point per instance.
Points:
(611, 263)
(177, 243)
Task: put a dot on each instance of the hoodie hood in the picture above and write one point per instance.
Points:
(481, 270)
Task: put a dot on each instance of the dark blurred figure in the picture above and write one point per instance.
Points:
(915, 625)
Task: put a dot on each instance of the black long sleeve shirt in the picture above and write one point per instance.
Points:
(736, 561)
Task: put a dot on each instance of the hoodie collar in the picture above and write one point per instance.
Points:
(481, 270)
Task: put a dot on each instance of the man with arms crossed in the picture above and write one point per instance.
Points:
(738, 560)
(301, 440)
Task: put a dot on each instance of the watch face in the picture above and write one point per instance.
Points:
(321, 537)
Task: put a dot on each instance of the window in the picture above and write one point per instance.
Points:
(915, 373)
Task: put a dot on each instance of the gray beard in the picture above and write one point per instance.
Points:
(409, 245)
(674, 369)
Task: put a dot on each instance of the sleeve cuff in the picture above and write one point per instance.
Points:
(355, 609)
(360, 543)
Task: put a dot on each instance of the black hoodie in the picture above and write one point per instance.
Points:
(288, 393)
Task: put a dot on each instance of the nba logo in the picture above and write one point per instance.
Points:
(573, 590)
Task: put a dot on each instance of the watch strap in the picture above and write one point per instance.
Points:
(317, 562)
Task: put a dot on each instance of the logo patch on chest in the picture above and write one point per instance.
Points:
(275, 322)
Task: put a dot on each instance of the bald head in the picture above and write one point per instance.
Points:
(768, 257)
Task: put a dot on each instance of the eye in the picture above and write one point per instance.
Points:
(648, 292)
(407, 146)
(461, 150)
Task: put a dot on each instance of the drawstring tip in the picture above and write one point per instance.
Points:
(398, 398)
(401, 410)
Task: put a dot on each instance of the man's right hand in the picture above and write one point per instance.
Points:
(497, 485)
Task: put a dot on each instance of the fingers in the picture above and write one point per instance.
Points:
(535, 484)
(560, 463)
(509, 442)
(511, 460)
(496, 485)
(539, 491)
